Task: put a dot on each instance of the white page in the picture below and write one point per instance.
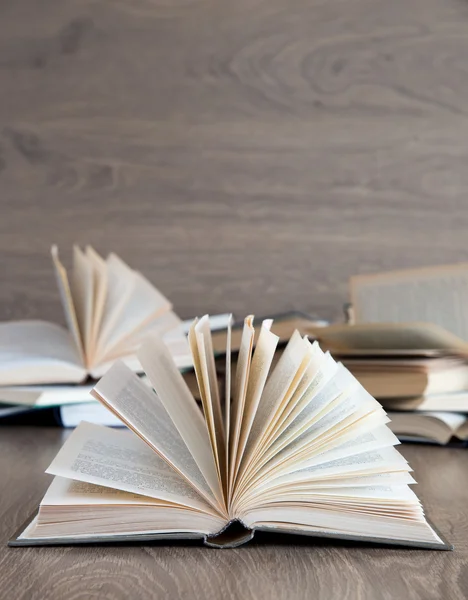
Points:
(203, 359)
(381, 460)
(379, 438)
(144, 412)
(181, 406)
(390, 478)
(120, 284)
(71, 492)
(82, 288)
(308, 387)
(67, 303)
(348, 408)
(38, 352)
(99, 273)
(118, 459)
(259, 371)
(239, 393)
(227, 395)
(275, 389)
(315, 406)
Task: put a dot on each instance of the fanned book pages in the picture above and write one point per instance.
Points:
(298, 447)
(109, 309)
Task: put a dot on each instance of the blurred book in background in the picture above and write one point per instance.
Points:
(67, 405)
(109, 309)
(430, 427)
(408, 346)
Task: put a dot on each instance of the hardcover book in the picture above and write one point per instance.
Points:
(298, 447)
(109, 309)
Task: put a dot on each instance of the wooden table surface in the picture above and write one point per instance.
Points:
(279, 568)
(247, 156)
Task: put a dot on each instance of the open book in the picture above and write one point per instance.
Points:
(109, 309)
(430, 427)
(299, 448)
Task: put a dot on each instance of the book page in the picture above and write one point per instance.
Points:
(319, 371)
(181, 407)
(239, 392)
(227, 396)
(68, 303)
(347, 416)
(38, 352)
(73, 492)
(347, 409)
(82, 287)
(142, 410)
(99, 274)
(119, 460)
(203, 359)
(259, 371)
(277, 387)
(132, 304)
(435, 295)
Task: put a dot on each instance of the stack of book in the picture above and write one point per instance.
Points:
(408, 345)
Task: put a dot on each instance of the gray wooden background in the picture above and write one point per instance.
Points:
(246, 156)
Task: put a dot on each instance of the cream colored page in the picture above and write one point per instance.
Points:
(227, 394)
(346, 411)
(276, 388)
(368, 441)
(347, 417)
(176, 398)
(203, 328)
(210, 397)
(438, 295)
(297, 386)
(353, 407)
(138, 307)
(381, 460)
(99, 272)
(82, 286)
(389, 478)
(67, 302)
(34, 352)
(322, 369)
(259, 370)
(118, 459)
(71, 492)
(371, 462)
(119, 288)
(143, 411)
(317, 405)
(240, 390)
(167, 326)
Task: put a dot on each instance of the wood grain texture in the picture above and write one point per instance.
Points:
(283, 568)
(246, 156)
